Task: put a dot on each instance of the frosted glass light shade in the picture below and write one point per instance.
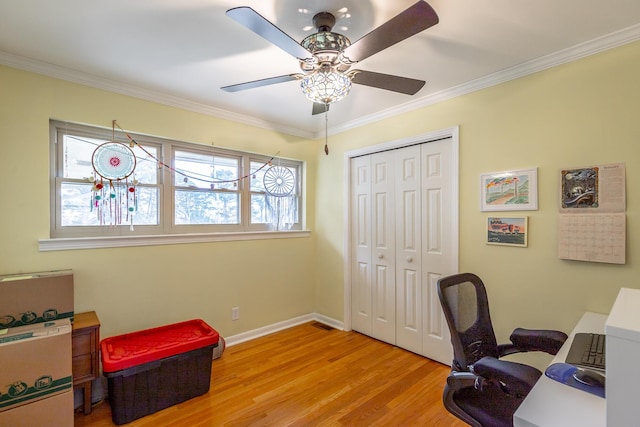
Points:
(326, 86)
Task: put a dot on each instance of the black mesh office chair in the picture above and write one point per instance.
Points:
(481, 389)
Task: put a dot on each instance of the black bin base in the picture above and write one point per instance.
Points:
(147, 388)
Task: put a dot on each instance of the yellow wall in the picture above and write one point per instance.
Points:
(578, 114)
(137, 288)
(574, 115)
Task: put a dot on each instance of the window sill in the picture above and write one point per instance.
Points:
(62, 244)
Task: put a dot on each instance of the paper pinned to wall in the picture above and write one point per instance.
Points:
(593, 237)
(592, 223)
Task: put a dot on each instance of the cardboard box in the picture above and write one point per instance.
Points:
(30, 298)
(54, 411)
(36, 365)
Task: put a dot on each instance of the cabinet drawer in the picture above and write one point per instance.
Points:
(82, 344)
(82, 367)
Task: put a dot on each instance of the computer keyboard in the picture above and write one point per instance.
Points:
(588, 350)
(594, 353)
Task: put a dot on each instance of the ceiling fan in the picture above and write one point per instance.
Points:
(326, 57)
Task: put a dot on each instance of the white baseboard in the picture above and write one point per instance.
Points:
(269, 329)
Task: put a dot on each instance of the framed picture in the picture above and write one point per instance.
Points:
(515, 190)
(509, 231)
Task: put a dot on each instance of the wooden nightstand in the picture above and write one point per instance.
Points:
(85, 341)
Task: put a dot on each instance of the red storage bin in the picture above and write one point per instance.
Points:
(153, 369)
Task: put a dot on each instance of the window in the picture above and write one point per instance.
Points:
(174, 187)
(207, 189)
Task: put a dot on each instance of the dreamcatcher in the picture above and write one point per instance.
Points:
(281, 205)
(114, 163)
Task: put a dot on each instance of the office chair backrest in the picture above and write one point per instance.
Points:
(466, 308)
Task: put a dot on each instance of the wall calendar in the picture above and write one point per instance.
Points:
(592, 224)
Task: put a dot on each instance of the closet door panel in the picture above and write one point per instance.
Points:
(437, 253)
(408, 247)
(361, 271)
(383, 251)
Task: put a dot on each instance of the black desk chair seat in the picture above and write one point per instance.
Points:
(481, 389)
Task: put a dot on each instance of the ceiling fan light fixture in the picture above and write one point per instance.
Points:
(325, 40)
(326, 86)
(325, 57)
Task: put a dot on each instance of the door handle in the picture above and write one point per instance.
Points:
(409, 259)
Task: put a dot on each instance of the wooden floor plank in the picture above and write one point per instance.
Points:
(309, 376)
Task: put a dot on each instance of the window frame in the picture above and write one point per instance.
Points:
(166, 191)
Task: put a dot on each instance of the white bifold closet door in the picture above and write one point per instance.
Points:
(400, 219)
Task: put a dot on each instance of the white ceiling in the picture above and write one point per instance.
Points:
(181, 52)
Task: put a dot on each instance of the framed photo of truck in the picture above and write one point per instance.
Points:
(509, 231)
(515, 190)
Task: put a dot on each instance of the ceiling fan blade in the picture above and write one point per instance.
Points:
(259, 83)
(319, 108)
(261, 26)
(415, 19)
(386, 81)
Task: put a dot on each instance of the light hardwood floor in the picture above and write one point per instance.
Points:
(309, 376)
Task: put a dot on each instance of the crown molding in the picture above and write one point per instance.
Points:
(609, 41)
(579, 51)
(68, 74)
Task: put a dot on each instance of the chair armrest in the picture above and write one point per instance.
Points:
(515, 378)
(459, 380)
(538, 340)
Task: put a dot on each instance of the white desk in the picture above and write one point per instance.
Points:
(551, 404)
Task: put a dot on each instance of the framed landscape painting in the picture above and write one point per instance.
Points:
(515, 190)
(509, 231)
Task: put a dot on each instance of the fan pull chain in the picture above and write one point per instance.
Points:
(326, 129)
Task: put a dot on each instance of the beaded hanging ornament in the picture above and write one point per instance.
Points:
(114, 196)
(114, 162)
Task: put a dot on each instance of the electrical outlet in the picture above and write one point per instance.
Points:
(235, 313)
